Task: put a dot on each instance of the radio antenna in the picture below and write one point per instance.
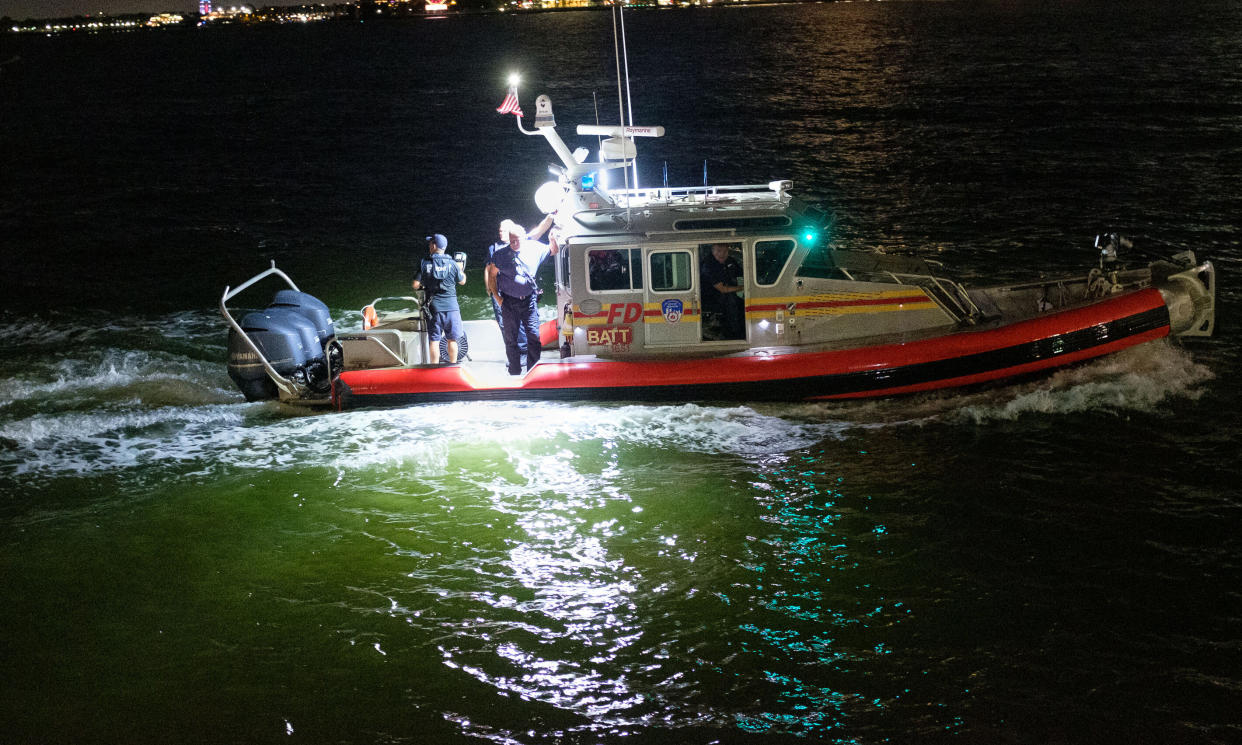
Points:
(629, 99)
(616, 50)
(599, 139)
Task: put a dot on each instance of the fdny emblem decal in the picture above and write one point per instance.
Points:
(671, 310)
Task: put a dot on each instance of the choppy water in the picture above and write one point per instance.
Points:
(1051, 561)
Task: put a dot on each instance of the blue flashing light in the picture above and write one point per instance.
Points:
(810, 237)
(588, 181)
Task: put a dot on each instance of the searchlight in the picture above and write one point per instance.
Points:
(548, 197)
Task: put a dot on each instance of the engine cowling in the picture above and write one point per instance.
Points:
(296, 336)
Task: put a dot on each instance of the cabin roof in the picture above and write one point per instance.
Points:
(701, 212)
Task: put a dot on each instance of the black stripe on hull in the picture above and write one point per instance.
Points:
(812, 386)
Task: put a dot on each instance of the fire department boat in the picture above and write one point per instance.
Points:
(630, 325)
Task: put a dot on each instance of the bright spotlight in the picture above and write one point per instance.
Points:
(514, 78)
(548, 197)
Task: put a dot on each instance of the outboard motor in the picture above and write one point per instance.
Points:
(312, 309)
(296, 336)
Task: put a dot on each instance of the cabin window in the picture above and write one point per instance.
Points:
(817, 263)
(614, 269)
(770, 258)
(671, 271)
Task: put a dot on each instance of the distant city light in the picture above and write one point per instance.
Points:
(215, 12)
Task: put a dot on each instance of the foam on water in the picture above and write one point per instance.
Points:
(87, 444)
(145, 378)
(428, 435)
(63, 330)
(136, 393)
(1139, 379)
(249, 436)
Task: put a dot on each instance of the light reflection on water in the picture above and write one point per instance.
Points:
(603, 587)
(615, 567)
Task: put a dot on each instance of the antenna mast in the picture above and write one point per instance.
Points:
(616, 53)
(629, 99)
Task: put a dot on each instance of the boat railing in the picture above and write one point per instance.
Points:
(948, 294)
(392, 323)
(956, 296)
(287, 386)
(772, 192)
(230, 294)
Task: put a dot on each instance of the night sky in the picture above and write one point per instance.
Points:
(21, 9)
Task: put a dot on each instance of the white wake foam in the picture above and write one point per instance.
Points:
(115, 410)
(1140, 379)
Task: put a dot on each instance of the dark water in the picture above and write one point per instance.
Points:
(1050, 562)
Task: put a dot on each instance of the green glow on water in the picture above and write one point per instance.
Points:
(563, 574)
(453, 570)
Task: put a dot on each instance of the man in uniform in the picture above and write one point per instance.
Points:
(510, 278)
(724, 314)
(506, 227)
(439, 276)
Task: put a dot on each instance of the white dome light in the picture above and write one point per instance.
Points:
(548, 197)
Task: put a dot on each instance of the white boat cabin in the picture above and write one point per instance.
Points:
(631, 282)
(629, 276)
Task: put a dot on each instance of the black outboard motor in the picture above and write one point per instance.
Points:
(310, 308)
(322, 370)
(296, 336)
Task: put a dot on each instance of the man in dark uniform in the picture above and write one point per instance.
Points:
(511, 282)
(724, 313)
(506, 228)
(439, 275)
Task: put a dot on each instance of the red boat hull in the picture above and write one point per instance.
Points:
(962, 358)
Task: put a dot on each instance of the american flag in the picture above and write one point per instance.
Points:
(510, 104)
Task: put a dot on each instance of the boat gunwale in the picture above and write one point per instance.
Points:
(1058, 338)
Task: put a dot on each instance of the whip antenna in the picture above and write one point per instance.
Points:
(599, 139)
(629, 99)
(616, 52)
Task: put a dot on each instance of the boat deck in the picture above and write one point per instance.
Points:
(486, 363)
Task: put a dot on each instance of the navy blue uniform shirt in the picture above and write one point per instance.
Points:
(439, 275)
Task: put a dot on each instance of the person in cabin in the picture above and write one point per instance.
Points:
(724, 313)
(608, 269)
(439, 275)
(510, 278)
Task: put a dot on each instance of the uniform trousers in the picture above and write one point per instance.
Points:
(520, 314)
